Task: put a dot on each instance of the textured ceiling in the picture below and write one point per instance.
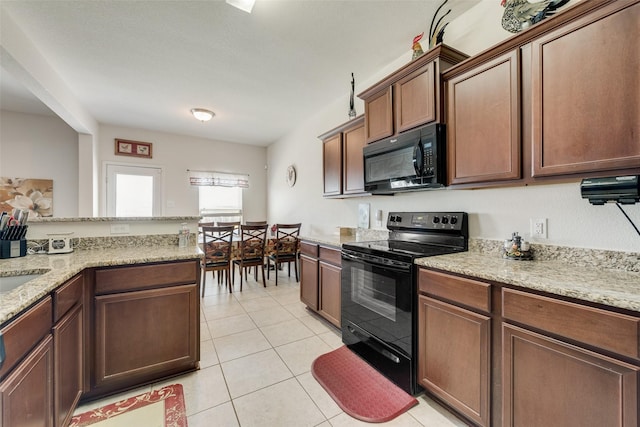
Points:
(145, 64)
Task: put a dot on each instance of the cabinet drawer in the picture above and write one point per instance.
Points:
(468, 292)
(25, 332)
(121, 279)
(66, 296)
(310, 249)
(604, 329)
(331, 255)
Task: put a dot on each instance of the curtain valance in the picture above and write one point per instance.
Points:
(220, 179)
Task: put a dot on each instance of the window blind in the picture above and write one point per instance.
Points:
(218, 179)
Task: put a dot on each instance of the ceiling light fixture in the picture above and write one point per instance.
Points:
(244, 5)
(202, 114)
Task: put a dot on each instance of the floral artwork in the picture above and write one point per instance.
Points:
(33, 195)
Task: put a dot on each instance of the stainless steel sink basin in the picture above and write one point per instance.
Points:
(11, 282)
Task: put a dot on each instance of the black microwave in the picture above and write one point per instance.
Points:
(413, 160)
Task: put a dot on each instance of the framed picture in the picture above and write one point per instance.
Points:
(125, 147)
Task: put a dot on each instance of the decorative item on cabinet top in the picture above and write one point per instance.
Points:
(352, 110)
(436, 34)
(520, 14)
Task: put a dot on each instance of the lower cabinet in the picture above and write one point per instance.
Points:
(454, 347)
(27, 393)
(551, 383)
(68, 344)
(144, 335)
(501, 356)
(320, 280)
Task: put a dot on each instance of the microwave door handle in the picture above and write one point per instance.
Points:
(418, 158)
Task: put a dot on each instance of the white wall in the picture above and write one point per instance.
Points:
(177, 153)
(494, 213)
(45, 147)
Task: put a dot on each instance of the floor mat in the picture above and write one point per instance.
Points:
(161, 408)
(359, 389)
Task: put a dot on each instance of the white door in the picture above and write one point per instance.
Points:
(133, 191)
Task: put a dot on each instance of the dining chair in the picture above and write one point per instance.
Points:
(251, 251)
(217, 243)
(255, 270)
(235, 224)
(285, 248)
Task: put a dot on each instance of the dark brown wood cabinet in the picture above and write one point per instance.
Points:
(320, 280)
(68, 345)
(500, 356)
(409, 97)
(309, 274)
(454, 343)
(26, 389)
(332, 165)
(556, 102)
(146, 324)
(26, 395)
(483, 122)
(585, 94)
(343, 164)
(548, 382)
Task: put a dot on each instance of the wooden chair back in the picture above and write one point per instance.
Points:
(287, 240)
(217, 244)
(252, 243)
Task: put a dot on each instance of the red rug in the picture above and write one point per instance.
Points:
(166, 404)
(358, 388)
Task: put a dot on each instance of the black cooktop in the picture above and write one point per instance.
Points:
(418, 234)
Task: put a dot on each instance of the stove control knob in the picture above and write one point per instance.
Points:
(436, 219)
(398, 218)
(454, 220)
(445, 220)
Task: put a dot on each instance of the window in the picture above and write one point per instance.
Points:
(133, 191)
(220, 203)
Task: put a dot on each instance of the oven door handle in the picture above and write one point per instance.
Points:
(388, 264)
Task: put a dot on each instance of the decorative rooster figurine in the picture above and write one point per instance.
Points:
(519, 14)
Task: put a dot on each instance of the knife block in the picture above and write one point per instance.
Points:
(13, 248)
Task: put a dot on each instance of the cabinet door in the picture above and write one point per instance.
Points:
(68, 344)
(415, 99)
(330, 292)
(26, 395)
(353, 161)
(550, 383)
(332, 165)
(309, 281)
(586, 94)
(378, 116)
(483, 122)
(145, 335)
(453, 357)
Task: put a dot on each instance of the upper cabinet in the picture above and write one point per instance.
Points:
(409, 97)
(558, 101)
(343, 162)
(585, 94)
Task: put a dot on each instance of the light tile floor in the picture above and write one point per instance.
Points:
(256, 352)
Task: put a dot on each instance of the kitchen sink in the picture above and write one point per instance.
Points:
(9, 283)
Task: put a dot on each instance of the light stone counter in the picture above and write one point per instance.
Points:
(61, 267)
(617, 288)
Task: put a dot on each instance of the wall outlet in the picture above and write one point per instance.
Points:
(119, 228)
(538, 228)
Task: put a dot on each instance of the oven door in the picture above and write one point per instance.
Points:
(377, 314)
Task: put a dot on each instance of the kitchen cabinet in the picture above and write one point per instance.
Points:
(585, 94)
(68, 348)
(146, 324)
(320, 280)
(309, 274)
(409, 97)
(343, 163)
(483, 122)
(26, 389)
(558, 101)
(559, 374)
(454, 342)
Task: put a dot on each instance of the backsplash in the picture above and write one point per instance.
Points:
(578, 257)
(114, 242)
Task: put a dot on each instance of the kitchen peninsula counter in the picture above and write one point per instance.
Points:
(611, 287)
(58, 268)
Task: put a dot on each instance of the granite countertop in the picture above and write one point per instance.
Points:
(616, 288)
(329, 239)
(57, 269)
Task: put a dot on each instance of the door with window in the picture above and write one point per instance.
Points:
(133, 191)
